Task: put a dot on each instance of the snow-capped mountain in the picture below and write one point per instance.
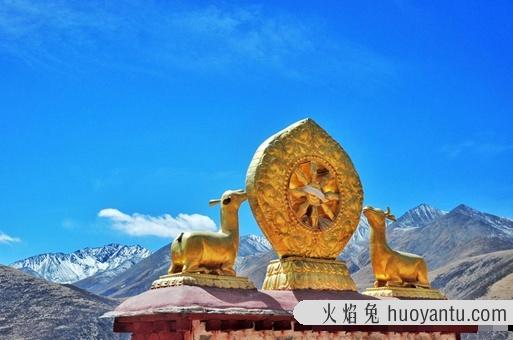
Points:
(252, 244)
(418, 217)
(83, 263)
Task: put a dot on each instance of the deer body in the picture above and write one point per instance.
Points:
(391, 267)
(211, 252)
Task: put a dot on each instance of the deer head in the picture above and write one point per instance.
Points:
(231, 199)
(377, 217)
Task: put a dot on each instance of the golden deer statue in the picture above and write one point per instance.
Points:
(391, 267)
(211, 252)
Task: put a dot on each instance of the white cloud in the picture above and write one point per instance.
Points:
(4, 238)
(162, 226)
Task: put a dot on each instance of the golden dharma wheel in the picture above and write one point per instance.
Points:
(304, 192)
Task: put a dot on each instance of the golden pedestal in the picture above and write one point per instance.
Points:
(291, 273)
(406, 293)
(206, 280)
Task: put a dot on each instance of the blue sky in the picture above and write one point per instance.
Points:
(151, 108)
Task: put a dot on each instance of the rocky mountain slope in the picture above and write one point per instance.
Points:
(68, 268)
(481, 276)
(32, 308)
(501, 289)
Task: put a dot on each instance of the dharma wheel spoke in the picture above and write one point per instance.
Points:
(301, 177)
(297, 193)
(315, 217)
(327, 211)
(301, 211)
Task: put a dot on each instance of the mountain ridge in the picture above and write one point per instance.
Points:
(419, 216)
(71, 267)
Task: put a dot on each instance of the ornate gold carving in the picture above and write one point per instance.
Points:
(304, 192)
(401, 292)
(391, 267)
(307, 273)
(207, 280)
(211, 252)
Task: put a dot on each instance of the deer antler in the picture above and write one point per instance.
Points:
(388, 214)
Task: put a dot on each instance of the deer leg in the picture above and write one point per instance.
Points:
(423, 281)
(422, 276)
(379, 283)
(216, 271)
(189, 267)
(196, 268)
(203, 270)
(227, 269)
(175, 268)
(397, 282)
